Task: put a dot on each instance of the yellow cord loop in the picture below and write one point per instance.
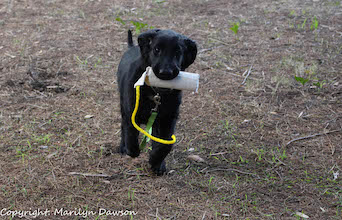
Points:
(143, 131)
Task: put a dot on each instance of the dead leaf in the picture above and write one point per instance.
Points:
(302, 215)
(106, 181)
(51, 155)
(196, 158)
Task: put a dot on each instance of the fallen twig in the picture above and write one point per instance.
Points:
(203, 217)
(90, 174)
(249, 72)
(227, 67)
(209, 49)
(233, 74)
(220, 153)
(232, 170)
(222, 42)
(312, 136)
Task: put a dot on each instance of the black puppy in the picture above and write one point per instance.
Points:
(167, 52)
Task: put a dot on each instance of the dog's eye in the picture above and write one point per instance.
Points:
(156, 50)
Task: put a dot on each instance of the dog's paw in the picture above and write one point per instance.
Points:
(133, 153)
(159, 169)
(123, 149)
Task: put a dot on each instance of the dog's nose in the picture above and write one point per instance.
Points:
(175, 72)
(168, 73)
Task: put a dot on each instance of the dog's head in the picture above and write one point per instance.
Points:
(167, 52)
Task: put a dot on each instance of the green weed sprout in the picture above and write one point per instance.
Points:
(314, 24)
(301, 80)
(235, 27)
(138, 26)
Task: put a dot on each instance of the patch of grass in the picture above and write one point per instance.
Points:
(23, 151)
(230, 130)
(91, 62)
(131, 195)
(279, 81)
(300, 21)
(304, 72)
(260, 154)
(254, 85)
(42, 139)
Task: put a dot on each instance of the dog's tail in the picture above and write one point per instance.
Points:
(130, 39)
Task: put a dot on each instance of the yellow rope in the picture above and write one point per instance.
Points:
(143, 131)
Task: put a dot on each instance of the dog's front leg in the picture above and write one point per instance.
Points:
(130, 137)
(164, 128)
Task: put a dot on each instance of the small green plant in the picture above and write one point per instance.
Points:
(139, 26)
(81, 62)
(314, 24)
(319, 84)
(82, 14)
(303, 24)
(99, 61)
(120, 20)
(302, 80)
(292, 13)
(210, 185)
(214, 157)
(243, 160)
(236, 180)
(235, 27)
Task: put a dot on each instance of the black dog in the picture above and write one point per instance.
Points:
(167, 52)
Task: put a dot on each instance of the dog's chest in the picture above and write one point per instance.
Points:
(145, 108)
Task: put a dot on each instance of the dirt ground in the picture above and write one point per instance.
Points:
(270, 142)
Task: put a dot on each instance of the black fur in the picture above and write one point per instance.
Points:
(167, 52)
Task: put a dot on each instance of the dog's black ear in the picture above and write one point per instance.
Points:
(190, 53)
(145, 40)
